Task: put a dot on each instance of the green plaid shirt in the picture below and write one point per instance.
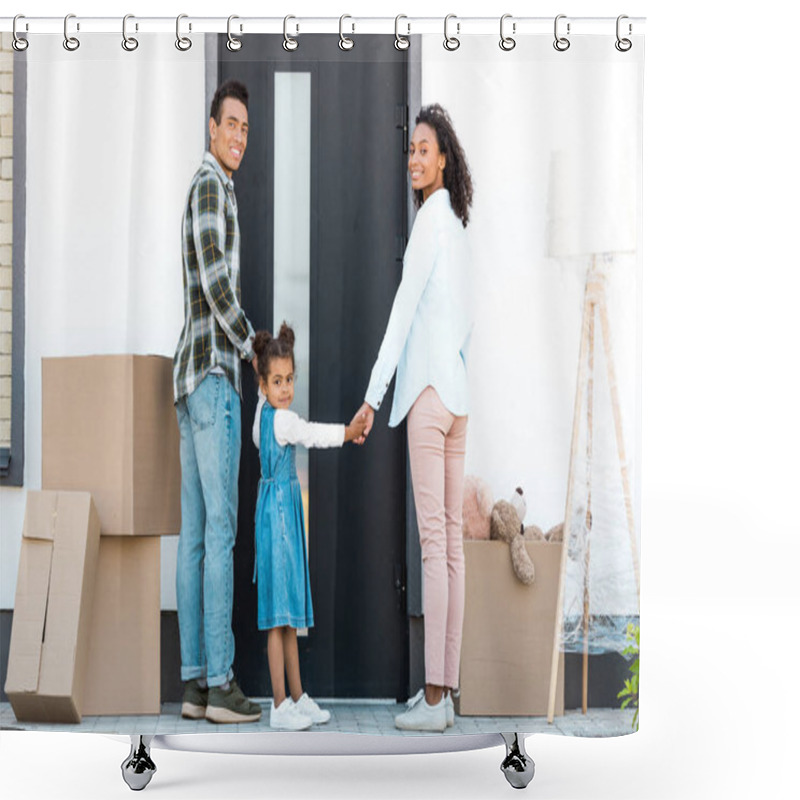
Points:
(216, 332)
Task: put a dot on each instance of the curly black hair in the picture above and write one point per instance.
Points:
(267, 347)
(457, 178)
(232, 88)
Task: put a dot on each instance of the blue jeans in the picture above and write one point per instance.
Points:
(210, 423)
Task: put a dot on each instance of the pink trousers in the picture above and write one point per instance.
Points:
(436, 444)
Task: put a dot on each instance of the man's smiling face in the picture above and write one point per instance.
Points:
(229, 136)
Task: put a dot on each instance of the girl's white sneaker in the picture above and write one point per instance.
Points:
(287, 717)
(450, 710)
(422, 717)
(305, 705)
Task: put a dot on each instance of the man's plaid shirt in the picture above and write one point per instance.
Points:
(216, 332)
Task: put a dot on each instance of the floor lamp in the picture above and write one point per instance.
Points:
(586, 226)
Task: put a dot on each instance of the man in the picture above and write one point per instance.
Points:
(207, 383)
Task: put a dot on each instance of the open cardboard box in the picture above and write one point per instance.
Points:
(109, 427)
(507, 647)
(50, 633)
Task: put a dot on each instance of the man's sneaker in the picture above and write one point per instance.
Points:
(450, 710)
(422, 717)
(305, 705)
(287, 717)
(230, 705)
(195, 700)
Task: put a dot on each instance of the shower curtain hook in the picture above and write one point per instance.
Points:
(183, 43)
(451, 43)
(71, 43)
(18, 43)
(623, 45)
(233, 44)
(290, 44)
(561, 43)
(401, 42)
(128, 42)
(345, 43)
(506, 42)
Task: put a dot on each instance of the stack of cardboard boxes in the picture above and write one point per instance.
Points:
(87, 616)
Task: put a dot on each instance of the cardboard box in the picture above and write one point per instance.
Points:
(123, 673)
(109, 427)
(52, 611)
(508, 632)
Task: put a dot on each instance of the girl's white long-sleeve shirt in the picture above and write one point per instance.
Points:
(428, 332)
(290, 428)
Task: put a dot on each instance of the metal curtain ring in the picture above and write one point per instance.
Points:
(506, 42)
(233, 44)
(561, 43)
(623, 45)
(183, 43)
(345, 43)
(401, 42)
(289, 43)
(451, 42)
(70, 42)
(18, 43)
(128, 42)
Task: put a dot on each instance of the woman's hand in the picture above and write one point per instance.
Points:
(354, 432)
(367, 412)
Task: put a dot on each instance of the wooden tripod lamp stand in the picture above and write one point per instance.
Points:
(591, 231)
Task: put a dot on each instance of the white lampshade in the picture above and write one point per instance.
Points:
(591, 204)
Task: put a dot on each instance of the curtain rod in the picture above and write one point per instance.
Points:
(298, 25)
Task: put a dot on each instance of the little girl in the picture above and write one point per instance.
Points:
(281, 562)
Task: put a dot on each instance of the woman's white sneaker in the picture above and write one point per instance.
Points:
(450, 710)
(422, 717)
(305, 705)
(287, 717)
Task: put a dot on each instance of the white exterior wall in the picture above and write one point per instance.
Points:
(113, 139)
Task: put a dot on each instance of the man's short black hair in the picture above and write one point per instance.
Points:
(234, 89)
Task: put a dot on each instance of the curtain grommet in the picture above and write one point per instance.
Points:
(71, 43)
(290, 43)
(18, 43)
(623, 44)
(233, 44)
(401, 42)
(507, 43)
(129, 43)
(561, 43)
(451, 43)
(345, 42)
(183, 43)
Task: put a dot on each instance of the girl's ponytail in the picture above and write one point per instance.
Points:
(287, 335)
(261, 343)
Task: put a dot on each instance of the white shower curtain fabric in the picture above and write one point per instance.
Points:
(554, 144)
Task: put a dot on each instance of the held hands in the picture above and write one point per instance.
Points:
(354, 432)
(358, 430)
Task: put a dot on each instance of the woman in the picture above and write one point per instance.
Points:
(425, 341)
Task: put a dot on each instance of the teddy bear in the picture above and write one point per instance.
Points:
(477, 508)
(506, 525)
(484, 519)
(533, 533)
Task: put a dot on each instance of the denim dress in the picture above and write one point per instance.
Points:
(281, 562)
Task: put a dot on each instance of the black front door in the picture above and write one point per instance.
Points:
(322, 210)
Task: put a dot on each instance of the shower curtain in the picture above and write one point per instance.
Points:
(552, 136)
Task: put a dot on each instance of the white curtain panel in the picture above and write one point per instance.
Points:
(554, 145)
